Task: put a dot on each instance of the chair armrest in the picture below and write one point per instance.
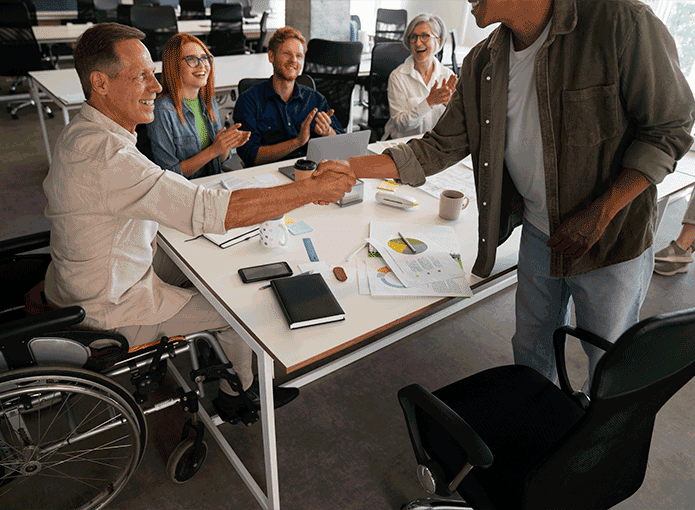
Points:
(41, 323)
(23, 244)
(415, 396)
(559, 337)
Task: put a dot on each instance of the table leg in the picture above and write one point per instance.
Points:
(42, 120)
(265, 376)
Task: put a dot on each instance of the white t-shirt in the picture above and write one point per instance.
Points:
(524, 146)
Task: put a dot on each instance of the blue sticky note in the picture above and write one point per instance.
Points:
(299, 228)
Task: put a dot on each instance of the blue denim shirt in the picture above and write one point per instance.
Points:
(270, 120)
(173, 142)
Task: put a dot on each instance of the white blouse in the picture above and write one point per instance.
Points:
(410, 113)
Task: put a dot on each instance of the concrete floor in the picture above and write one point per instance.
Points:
(343, 444)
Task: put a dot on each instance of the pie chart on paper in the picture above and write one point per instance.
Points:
(399, 246)
(386, 276)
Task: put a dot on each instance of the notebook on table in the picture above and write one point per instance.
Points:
(306, 300)
(342, 146)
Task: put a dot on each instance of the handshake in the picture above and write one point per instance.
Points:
(330, 181)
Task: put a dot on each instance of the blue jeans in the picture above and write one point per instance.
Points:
(607, 302)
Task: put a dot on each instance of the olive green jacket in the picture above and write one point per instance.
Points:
(610, 96)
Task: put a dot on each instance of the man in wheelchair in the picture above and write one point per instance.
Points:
(106, 200)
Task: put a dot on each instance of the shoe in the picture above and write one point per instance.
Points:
(231, 408)
(670, 268)
(674, 253)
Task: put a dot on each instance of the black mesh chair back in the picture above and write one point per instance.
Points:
(20, 51)
(454, 63)
(334, 66)
(192, 9)
(385, 58)
(390, 25)
(226, 30)
(123, 14)
(256, 46)
(246, 83)
(86, 11)
(545, 448)
(158, 22)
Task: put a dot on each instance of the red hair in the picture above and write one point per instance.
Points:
(171, 72)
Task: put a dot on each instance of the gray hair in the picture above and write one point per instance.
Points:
(95, 51)
(436, 24)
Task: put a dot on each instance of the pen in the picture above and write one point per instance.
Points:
(300, 274)
(349, 257)
(406, 242)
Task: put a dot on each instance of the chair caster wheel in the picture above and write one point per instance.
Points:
(51, 115)
(185, 461)
(15, 116)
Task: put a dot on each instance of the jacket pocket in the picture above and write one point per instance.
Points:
(590, 115)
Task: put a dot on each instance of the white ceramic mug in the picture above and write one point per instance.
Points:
(451, 202)
(274, 233)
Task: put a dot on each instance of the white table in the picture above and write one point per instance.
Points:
(63, 85)
(256, 315)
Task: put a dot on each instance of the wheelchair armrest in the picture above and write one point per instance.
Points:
(415, 396)
(10, 247)
(559, 337)
(41, 323)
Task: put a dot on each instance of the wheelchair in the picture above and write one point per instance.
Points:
(71, 436)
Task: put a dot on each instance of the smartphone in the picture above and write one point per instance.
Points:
(265, 272)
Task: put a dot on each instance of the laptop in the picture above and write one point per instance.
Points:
(334, 147)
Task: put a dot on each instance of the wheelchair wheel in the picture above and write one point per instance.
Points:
(184, 462)
(69, 438)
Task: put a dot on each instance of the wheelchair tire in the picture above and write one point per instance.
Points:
(183, 462)
(69, 438)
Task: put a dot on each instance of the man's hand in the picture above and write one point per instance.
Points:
(440, 94)
(578, 233)
(305, 130)
(323, 124)
(331, 186)
(337, 166)
(228, 139)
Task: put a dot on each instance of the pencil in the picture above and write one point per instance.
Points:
(407, 243)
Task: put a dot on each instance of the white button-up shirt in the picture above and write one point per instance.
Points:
(105, 201)
(409, 110)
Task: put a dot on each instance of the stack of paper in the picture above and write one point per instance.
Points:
(433, 270)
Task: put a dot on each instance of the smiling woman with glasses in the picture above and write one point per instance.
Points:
(187, 136)
(420, 88)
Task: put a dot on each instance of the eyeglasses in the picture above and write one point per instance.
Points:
(424, 37)
(194, 61)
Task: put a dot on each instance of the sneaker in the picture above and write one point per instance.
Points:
(670, 268)
(674, 253)
(231, 408)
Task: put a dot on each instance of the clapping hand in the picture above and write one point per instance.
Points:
(228, 138)
(305, 130)
(323, 124)
(441, 93)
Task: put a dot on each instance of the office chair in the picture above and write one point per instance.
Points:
(21, 52)
(158, 22)
(509, 438)
(226, 30)
(86, 11)
(390, 25)
(385, 58)
(256, 45)
(355, 27)
(334, 66)
(454, 63)
(192, 9)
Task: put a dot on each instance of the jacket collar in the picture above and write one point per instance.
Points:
(564, 21)
(269, 91)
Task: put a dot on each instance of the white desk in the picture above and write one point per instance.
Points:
(63, 85)
(256, 316)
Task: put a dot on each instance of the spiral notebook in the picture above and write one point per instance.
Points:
(307, 300)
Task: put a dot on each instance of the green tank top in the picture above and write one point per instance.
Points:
(197, 108)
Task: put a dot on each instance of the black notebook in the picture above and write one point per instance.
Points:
(307, 300)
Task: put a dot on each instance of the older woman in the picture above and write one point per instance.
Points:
(420, 88)
(187, 136)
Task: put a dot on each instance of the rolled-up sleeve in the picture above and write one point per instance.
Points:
(245, 114)
(150, 193)
(658, 98)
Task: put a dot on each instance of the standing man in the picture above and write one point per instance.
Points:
(106, 200)
(281, 114)
(572, 111)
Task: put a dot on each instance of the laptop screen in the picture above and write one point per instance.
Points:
(342, 146)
